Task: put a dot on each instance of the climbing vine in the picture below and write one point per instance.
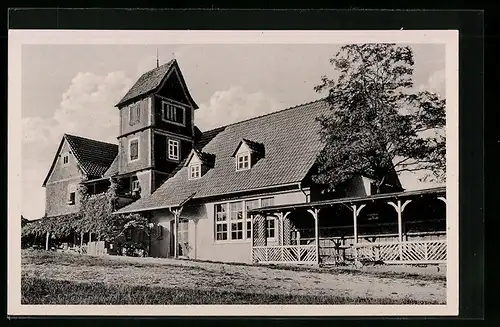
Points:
(95, 216)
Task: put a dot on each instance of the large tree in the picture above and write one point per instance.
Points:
(379, 123)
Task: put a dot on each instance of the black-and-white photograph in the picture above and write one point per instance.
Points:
(255, 173)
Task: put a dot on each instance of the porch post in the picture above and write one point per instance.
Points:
(282, 234)
(251, 236)
(90, 237)
(286, 225)
(47, 241)
(399, 210)
(355, 214)
(442, 198)
(314, 213)
(176, 229)
(81, 239)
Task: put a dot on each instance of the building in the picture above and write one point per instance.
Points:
(237, 193)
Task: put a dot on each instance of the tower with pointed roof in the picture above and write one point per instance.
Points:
(156, 128)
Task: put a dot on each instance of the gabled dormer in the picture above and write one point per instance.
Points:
(247, 154)
(199, 163)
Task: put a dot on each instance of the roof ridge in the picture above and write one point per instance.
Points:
(264, 115)
(171, 61)
(89, 139)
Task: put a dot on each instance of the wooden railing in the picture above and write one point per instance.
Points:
(414, 252)
(298, 254)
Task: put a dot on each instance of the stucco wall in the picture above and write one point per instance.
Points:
(57, 196)
(126, 166)
(67, 171)
(144, 178)
(57, 187)
(144, 120)
(201, 231)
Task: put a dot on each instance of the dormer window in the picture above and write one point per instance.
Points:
(247, 153)
(194, 171)
(199, 163)
(243, 161)
(174, 114)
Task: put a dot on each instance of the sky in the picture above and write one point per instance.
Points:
(73, 89)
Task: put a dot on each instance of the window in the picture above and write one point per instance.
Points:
(221, 222)
(271, 227)
(252, 204)
(134, 114)
(243, 161)
(133, 148)
(65, 159)
(173, 149)
(233, 222)
(236, 217)
(135, 185)
(71, 194)
(172, 113)
(194, 171)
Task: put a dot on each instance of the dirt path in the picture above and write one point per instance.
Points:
(254, 279)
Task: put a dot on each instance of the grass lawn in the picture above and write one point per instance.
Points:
(59, 278)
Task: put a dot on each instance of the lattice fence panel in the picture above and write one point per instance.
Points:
(259, 254)
(436, 251)
(413, 251)
(405, 252)
(308, 253)
(259, 231)
(286, 231)
(388, 252)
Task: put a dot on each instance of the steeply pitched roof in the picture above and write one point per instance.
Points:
(94, 157)
(151, 81)
(205, 158)
(113, 168)
(292, 144)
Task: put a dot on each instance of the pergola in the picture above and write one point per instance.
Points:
(394, 252)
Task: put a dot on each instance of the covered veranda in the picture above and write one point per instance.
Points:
(393, 228)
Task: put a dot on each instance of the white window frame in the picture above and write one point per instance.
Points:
(65, 156)
(134, 181)
(130, 152)
(221, 223)
(235, 220)
(242, 155)
(134, 106)
(178, 143)
(168, 103)
(275, 228)
(192, 168)
(247, 235)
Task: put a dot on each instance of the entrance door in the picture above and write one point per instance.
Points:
(183, 238)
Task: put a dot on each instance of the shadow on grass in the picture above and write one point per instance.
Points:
(49, 291)
(38, 257)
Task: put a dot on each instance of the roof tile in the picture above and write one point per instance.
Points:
(95, 157)
(292, 144)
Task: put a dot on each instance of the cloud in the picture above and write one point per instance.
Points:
(233, 105)
(436, 83)
(86, 109)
